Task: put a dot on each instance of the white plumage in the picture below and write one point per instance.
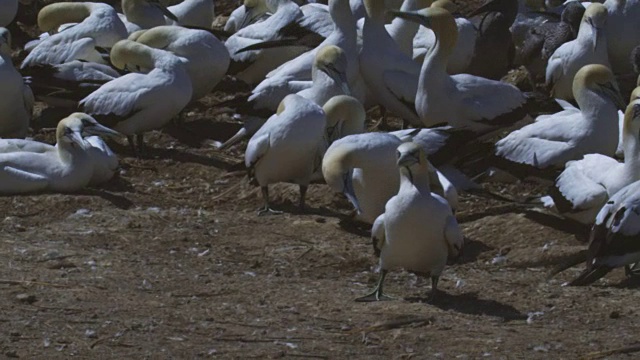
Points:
(198, 13)
(16, 98)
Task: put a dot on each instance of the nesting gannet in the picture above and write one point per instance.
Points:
(98, 25)
(622, 32)
(206, 58)
(144, 14)
(69, 168)
(16, 98)
(462, 54)
(541, 41)
(251, 11)
(417, 231)
(286, 147)
(8, 11)
(589, 47)
(390, 75)
(462, 101)
(198, 13)
(555, 139)
(140, 102)
(585, 185)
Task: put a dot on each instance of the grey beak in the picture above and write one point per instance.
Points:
(350, 193)
(98, 130)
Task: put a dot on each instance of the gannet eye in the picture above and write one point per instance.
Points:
(398, 153)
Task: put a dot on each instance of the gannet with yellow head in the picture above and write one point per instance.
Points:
(417, 231)
(16, 98)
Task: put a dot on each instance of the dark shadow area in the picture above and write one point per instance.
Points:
(630, 282)
(471, 250)
(193, 133)
(118, 201)
(580, 231)
(359, 228)
(470, 304)
(559, 263)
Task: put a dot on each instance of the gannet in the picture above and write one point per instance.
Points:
(417, 231)
(251, 11)
(622, 32)
(390, 75)
(585, 185)
(197, 13)
(462, 101)
(205, 57)
(16, 98)
(590, 47)
(8, 11)
(615, 237)
(286, 147)
(635, 95)
(555, 139)
(404, 32)
(140, 102)
(345, 116)
(69, 168)
(462, 54)
(144, 14)
(97, 25)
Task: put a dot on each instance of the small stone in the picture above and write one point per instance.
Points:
(91, 334)
(614, 315)
(26, 298)
(14, 333)
(11, 354)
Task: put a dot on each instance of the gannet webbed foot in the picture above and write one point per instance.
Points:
(376, 294)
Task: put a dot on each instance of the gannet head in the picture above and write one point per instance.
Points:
(338, 172)
(71, 129)
(160, 37)
(253, 10)
(445, 4)
(130, 55)
(375, 9)
(345, 116)
(635, 94)
(410, 154)
(333, 61)
(438, 19)
(52, 16)
(631, 123)
(136, 34)
(5, 41)
(91, 127)
(595, 17)
(600, 79)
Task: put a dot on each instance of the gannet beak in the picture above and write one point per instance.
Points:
(76, 138)
(241, 134)
(413, 16)
(98, 129)
(596, 31)
(349, 192)
(338, 77)
(612, 92)
(248, 17)
(164, 10)
(407, 159)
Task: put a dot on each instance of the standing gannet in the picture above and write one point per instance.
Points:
(98, 25)
(589, 47)
(8, 11)
(555, 139)
(622, 32)
(462, 54)
(389, 74)
(139, 102)
(69, 168)
(615, 237)
(16, 98)
(251, 11)
(462, 101)
(585, 185)
(206, 58)
(197, 13)
(144, 14)
(417, 231)
(286, 147)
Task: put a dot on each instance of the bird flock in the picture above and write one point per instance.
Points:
(316, 70)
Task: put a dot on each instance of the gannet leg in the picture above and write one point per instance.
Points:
(303, 194)
(376, 294)
(132, 145)
(434, 287)
(140, 143)
(266, 209)
(632, 270)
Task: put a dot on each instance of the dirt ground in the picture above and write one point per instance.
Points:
(170, 261)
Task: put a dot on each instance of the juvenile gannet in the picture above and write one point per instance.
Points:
(622, 32)
(417, 231)
(16, 98)
(462, 101)
(140, 102)
(68, 168)
(205, 57)
(8, 11)
(585, 185)
(144, 14)
(251, 11)
(589, 47)
(98, 26)
(286, 147)
(615, 237)
(197, 13)
(554, 139)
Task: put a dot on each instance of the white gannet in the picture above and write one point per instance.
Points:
(251, 11)
(589, 47)
(16, 98)
(553, 140)
(98, 26)
(462, 101)
(635, 95)
(139, 102)
(68, 168)
(144, 14)
(403, 31)
(417, 231)
(462, 54)
(8, 11)
(389, 74)
(105, 161)
(615, 237)
(206, 58)
(622, 32)
(585, 185)
(286, 147)
(197, 13)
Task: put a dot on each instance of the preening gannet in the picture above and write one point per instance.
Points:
(417, 231)
(197, 13)
(251, 11)
(144, 14)
(554, 139)
(345, 116)
(589, 47)
(615, 237)
(139, 102)
(98, 25)
(205, 57)
(68, 168)
(462, 101)
(622, 32)
(585, 185)
(286, 147)
(8, 11)
(16, 98)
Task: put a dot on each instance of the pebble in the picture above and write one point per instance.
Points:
(26, 298)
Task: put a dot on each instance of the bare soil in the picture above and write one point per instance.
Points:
(169, 260)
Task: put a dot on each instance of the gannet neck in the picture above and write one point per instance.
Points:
(414, 168)
(159, 37)
(375, 11)
(436, 60)
(274, 5)
(402, 31)
(127, 52)
(631, 131)
(5, 44)
(69, 139)
(54, 15)
(340, 11)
